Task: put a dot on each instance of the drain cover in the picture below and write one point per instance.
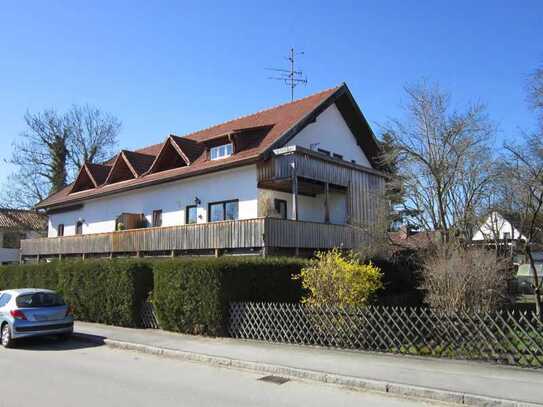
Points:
(274, 379)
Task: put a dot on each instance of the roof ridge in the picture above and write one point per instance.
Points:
(260, 111)
(6, 209)
(267, 109)
(136, 152)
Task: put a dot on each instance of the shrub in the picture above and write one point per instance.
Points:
(192, 295)
(401, 279)
(106, 291)
(335, 278)
(456, 278)
(42, 275)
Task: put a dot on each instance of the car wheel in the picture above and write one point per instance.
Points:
(7, 340)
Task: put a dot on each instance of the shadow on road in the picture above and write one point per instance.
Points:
(52, 343)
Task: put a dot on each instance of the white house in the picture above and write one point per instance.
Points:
(312, 161)
(496, 227)
(16, 224)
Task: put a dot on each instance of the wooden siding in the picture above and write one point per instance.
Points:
(365, 186)
(281, 233)
(216, 235)
(241, 234)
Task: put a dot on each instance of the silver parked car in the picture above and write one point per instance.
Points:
(33, 312)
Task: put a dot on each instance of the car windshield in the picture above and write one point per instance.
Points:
(39, 299)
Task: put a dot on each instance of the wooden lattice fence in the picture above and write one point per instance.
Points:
(508, 337)
(148, 316)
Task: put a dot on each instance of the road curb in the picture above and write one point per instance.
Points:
(317, 376)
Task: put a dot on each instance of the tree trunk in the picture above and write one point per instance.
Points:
(536, 287)
(59, 156)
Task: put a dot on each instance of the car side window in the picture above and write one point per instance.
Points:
(4, 299)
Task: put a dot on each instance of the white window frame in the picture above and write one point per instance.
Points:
(220, 152)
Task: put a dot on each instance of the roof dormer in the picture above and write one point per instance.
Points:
(90, 176)
(121, 170)
(176, 152)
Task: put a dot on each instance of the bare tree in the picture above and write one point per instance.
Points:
(535, 91)
(445, 160)
(522, 180)
(52, 148)
(93, 134)
(40, 158)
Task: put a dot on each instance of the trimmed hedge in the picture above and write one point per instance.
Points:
(105, 291)
(42, 275)
(192, 295)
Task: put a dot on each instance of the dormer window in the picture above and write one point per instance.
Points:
(219, 152)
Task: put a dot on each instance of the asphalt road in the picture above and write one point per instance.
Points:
(45, 372)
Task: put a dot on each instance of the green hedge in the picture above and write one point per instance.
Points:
(42, 275)
(192, 295)
(105, 291)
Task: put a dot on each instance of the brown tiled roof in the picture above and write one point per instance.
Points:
(414, 240)
(22, 220)
(272, 126)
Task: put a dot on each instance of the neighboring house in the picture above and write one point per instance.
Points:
(502, 233)
(16, 225)
(496, 227)
(407, 239)
(302, 175)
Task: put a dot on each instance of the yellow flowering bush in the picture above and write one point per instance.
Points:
(337, 278)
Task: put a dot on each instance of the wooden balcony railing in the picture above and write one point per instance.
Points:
(256, 233)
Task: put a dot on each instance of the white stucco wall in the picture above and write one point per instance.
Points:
(99, 214)
(331, 133)
(494, 227)
(311, 209)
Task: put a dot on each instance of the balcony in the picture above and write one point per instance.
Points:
(257, 236)
(300, 171)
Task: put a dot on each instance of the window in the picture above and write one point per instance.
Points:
(216, 153)
(157, 218)
(323, 151)
(191, 214)
(79, 228)
(60, 230)
(226, 210)
(12, 240)
(338, 156)
(39, 299)
(4, 299)
(506, 235)
(280, 207)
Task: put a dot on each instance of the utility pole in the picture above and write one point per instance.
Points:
(291, 77)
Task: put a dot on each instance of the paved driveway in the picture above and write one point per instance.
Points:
(45, 372)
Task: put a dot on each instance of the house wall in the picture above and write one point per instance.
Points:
(494, 227)
(311, 209)
(99, 214)
(12, 255)
(331, 133)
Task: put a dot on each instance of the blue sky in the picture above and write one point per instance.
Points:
(164, 67)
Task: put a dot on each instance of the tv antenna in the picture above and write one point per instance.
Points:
(291, 77)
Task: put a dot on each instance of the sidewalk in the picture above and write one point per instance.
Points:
(447, 380)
